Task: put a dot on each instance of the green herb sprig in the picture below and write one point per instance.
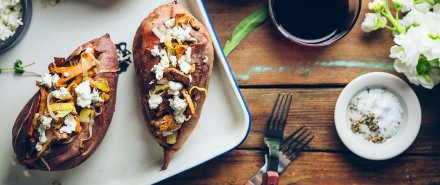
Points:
(19, 68)
(244, 28)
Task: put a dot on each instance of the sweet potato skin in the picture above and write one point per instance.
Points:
(144, 41)
(68, 156)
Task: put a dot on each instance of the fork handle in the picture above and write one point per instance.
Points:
(271, 178)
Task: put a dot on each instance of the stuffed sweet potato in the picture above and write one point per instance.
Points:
(173, 57)
(66, 120)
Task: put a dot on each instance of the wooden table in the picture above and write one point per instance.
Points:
(265, 64)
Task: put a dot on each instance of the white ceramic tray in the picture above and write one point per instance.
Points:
(128, 154)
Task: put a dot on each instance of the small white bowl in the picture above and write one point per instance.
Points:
(409, 128)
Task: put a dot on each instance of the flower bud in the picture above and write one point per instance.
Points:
(373, 21)
(376, 5)
(403, 5)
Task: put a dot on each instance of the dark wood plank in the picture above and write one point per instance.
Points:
(315, 108)
(317, 168)
(266, 58)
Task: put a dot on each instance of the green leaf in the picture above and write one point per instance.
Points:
(18, 67)
(436, 61)
(423, 66)
(244, 28)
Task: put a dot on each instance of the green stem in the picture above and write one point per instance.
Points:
(389, 16)
(5, 69)
(29, 64)
(389, 27)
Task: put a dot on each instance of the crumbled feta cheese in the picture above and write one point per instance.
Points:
(188, 54)
(158, 34)
(180, 34)
(151, 82)
(155, 51)
(10, 18)
(62, 93)
(205, 59)
(170, 23)
(66, 74)
(46, 80)
(85, 96)
(180, 118)
(173, 60)
(95, 96)
(174, 88)
(184, 61)
(162, 65)
(184, 66)
(190, 78)
(49, 80)
(69, 125)
(154, 101)
(38, 146)
(179, 106)
(45, 122)
(164, 60)
(55, 79)
(42, 139)
(159, 71)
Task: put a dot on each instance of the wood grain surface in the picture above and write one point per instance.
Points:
(265, 64)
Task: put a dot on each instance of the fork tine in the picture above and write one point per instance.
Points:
(274, 123)
(296, 144)
(288, 144)
(302, 147)
(285, 112)
(294, 133)
(269, 120)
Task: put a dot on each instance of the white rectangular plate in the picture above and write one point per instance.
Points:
(128, 154)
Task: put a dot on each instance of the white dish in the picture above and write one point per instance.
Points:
(409, 128)
(128, 154)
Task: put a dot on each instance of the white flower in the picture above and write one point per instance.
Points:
(411, 44)
(403, 5)
(397, 52)
(436, 8)
(419, 45)
(376, 5)
(412, 18)
(423, 7)
(373, 21)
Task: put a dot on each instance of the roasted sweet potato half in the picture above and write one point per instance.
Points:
(173, 57)
(66, 120)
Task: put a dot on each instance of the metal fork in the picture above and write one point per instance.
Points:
(273, 134)
(292, 146)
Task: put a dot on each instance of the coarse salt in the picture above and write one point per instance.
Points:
(384, 105)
